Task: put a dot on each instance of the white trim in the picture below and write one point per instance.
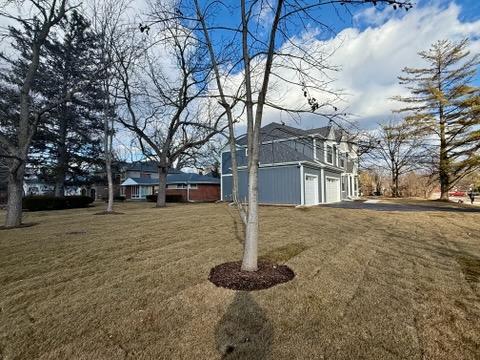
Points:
(322, 175)
(314, 149)
(129, 182)
(227, 175)
(302, 186)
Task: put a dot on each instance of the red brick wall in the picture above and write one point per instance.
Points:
(206, 192)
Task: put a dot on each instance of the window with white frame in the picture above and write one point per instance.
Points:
(122, 190)
(193, 186)
(343, 183)
(342, 161)
(329, 154)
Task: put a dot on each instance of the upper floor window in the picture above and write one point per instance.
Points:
(342, 161)
(329, 154)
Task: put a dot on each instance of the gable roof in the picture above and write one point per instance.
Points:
(145, 166)
(276, 131)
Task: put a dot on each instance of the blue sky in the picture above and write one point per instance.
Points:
(374, 44)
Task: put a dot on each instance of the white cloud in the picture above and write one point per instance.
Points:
(371, 59)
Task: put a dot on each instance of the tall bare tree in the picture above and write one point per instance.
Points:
(443, 104)
(110, 27)
(164, 99)
(16, 133)
(261, 44)
(399, 150)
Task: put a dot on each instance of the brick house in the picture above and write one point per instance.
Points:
(190, 187)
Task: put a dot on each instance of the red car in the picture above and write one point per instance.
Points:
(458, 193)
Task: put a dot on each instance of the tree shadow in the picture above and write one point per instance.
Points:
(238, 225)
(244, 331)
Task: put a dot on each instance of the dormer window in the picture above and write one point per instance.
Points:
(342, 161)
(329, 154)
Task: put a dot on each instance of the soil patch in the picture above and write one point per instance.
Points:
(229, 275)
(26, 225)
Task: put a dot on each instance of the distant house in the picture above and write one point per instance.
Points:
(297, 167)
(190, 187)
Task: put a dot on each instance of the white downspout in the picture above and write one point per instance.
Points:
(322, 175)
(302, 185)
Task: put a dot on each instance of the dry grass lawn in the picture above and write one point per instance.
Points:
(369, 285)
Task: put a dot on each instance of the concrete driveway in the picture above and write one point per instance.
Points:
(406, 206)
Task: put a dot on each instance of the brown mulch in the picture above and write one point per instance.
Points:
(109, 213)
(229, 275)
(25, 225)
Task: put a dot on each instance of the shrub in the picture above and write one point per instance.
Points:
(174, 198)
(168, 198)
(47, 202)
(77, 201)
(152, 198)
(119, 198)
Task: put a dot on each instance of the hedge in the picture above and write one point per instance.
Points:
(120, 198)
(47, 202)
(168, 198)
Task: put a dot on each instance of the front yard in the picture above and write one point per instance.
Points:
(375, 285)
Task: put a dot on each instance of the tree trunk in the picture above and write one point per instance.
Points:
(444, 161)
(162, 186)
(393, 184)
(249, 262)
(61, 156)
(108, 165)
(15, 195)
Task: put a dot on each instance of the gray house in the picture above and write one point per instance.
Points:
(297, 167)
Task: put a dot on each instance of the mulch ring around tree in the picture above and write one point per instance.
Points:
(229, 275)
(109, 213)
(24, 225)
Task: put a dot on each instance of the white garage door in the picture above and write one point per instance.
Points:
(311, 189)
(333, 190)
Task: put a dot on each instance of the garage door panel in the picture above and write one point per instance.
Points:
(332, 190)
(311, 189)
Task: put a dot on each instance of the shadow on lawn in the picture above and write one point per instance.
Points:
(244, 332)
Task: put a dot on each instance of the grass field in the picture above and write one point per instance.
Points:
(368, 285)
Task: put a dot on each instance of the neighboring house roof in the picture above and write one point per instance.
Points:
(178, 178)
(145, 166)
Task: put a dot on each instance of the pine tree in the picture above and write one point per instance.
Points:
(444, 105)
(71, 139)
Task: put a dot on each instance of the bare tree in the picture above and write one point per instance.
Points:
(109, 27)
(399, 150)
(259, 47)
(164, 103)
(16, 135)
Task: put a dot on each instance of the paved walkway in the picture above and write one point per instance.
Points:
(409, 207)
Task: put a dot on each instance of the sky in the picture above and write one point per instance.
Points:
(373, 45)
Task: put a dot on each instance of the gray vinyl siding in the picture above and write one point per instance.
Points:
(276, 185)
(349, 166)
(227, 160)
(313, 171)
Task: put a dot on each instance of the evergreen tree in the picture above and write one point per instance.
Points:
(444, 105)
(70, 141)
